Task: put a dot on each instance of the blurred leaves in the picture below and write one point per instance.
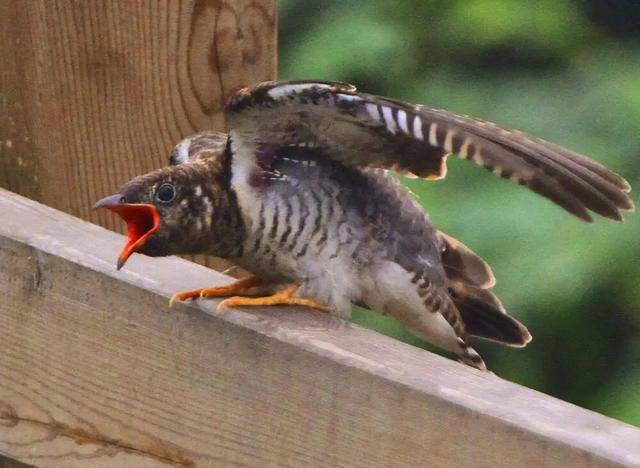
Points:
(568, 71)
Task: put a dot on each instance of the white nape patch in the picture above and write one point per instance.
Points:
(402, 121)
(284, 90)
(388, 119)
(182, 151)
(433, 137)
(417, 128)
(198, 191)
(184, 203)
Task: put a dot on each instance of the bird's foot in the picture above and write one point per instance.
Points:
(282, 297)
(240, 286)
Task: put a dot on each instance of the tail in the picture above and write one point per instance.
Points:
(470, 280)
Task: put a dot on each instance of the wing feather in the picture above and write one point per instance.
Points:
(365, 130)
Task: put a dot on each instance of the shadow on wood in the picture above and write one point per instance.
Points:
(96, 369)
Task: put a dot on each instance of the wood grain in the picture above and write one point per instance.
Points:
(93, 93)
(96, 370)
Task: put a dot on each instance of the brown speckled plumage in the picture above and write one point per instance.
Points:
(204, 215)
(299, 192)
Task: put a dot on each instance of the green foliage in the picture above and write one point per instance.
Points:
(564, 70)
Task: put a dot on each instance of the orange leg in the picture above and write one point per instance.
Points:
(237, 287)
(282, 297)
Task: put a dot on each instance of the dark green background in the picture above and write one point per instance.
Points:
(568, 71)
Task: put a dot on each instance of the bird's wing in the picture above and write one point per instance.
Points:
(364, 130)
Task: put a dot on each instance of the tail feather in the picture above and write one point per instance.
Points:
(464, 265)
(469, 281)
(484, 316)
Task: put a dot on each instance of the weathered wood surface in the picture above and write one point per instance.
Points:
(12, 463)
(96, 370)
(93, 93)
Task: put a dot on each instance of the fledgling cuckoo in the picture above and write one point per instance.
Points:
(299, 194)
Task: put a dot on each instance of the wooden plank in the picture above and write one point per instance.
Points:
(11, 463)
(93, 93)
(96, 370)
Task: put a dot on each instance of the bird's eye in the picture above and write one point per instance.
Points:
(166, 193)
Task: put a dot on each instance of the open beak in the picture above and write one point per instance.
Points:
(142, 220)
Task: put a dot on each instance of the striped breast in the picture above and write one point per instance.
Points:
(314, 221)
(297, 216)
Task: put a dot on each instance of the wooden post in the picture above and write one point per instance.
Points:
(95, 92)
(96, 370)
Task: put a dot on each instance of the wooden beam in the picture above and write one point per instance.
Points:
(95, 369)
(6, 462)
(94, 93)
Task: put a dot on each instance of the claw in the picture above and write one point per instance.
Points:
(237, 287)
(282, 297)
(181, 296)
(172, 300)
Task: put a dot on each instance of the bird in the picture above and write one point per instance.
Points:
(303, 192)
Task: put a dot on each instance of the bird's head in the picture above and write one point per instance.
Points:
(185, 208)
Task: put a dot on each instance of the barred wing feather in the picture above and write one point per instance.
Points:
(365, 130)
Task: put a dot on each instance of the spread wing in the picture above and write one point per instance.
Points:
(364, 130)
